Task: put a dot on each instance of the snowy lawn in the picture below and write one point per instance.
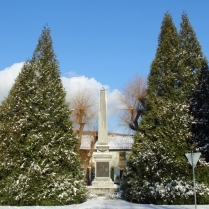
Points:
(103, 203)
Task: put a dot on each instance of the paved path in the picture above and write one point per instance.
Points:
(102, 203)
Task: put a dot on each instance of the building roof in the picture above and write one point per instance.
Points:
(116, 142)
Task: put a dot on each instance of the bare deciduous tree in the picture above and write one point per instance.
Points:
(83, 105)
(84, 112)
(132, 100)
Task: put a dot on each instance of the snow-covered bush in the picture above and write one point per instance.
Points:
(155, 177)
(55, 190)
(174, 192)
(113, 196)
(91, 196)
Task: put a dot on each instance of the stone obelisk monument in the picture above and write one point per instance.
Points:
(102, 183)
(102, 144)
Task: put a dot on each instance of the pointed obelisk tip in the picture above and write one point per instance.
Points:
(102, 89)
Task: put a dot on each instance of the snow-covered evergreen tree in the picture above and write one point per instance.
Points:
(192, 56)
(38, 160)
(194, 94)
(200, 112)
(191, 61)
(157, 171)
(196, 85)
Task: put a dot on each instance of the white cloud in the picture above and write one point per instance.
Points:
(71, 85)
(74, 84)
(7, 78)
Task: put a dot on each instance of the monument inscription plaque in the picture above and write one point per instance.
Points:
(102, 169)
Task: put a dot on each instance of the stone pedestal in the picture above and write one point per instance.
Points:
(102, 171)
(102, 183)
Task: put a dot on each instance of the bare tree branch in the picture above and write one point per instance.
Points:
(83, 105)
(132, 100)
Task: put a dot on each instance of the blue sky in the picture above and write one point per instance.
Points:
(109, 41)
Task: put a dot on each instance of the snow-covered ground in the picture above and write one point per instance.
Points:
(103, 203)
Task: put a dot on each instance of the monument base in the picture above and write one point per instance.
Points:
(102, 190)
(102, 184)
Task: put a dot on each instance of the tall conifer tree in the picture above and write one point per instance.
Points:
(157, 167)
(195, 86)
(38, 160)
(192, 61)
(200, 111)
(192, 56)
